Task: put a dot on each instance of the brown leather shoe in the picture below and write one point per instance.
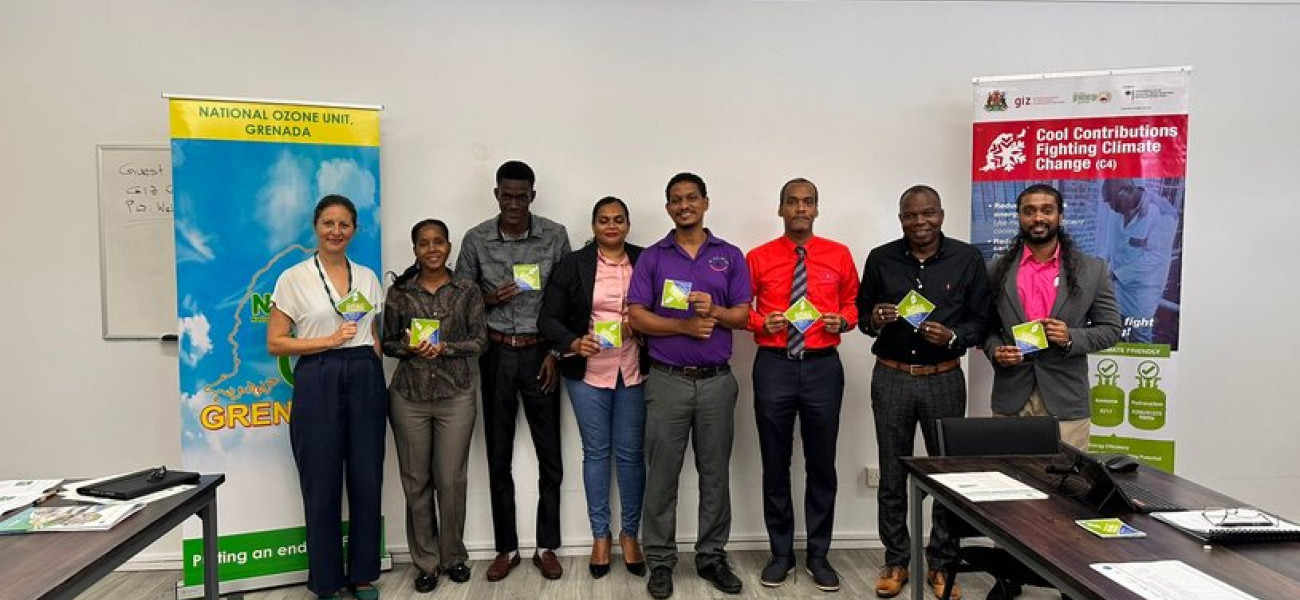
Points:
(600, 550)
(502, 565)
(891, 581)
(939, 582)
(548, 564)
(633, 558)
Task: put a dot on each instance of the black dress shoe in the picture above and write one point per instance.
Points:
(458, 573)
(777, 570)
(823, 574)
(425, 582)
(720, 575)
(660, 584)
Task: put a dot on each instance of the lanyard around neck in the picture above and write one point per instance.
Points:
(319, 271)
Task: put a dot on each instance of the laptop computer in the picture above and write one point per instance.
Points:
(139, 483)
(1109, 496)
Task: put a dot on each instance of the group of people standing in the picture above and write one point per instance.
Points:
(642, 340)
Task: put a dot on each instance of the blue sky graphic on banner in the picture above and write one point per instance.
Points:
(243, 215)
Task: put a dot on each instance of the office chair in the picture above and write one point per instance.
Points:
(987, 436)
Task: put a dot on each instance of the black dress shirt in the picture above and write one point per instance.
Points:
(954, 279)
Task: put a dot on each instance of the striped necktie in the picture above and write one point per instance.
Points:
(794, 337)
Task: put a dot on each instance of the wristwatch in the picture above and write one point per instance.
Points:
(556, 354)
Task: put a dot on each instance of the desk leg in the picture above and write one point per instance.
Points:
(917, 526)
(211, 584)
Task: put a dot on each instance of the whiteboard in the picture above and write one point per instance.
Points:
(137, 247)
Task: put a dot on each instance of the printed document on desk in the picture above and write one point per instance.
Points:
(988, 486)
(1169, 580)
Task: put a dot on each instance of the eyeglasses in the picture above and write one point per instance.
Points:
(1229, 517)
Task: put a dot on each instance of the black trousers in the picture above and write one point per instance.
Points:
(336, 429)
(811, 390)
(509, 375)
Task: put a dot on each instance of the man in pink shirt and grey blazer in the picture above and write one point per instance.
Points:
(1044, 278)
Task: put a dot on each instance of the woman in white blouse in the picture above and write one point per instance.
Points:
(324, 314)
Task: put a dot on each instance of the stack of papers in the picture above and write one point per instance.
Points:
(68, 518)
(21, 493)
(988, 486)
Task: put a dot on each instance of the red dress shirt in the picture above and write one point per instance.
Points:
(832, 287)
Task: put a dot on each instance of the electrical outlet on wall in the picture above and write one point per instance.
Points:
(873, 476)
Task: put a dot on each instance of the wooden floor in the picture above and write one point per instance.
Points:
(857, 568)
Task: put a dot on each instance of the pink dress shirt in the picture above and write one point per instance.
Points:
(1037, 283)
(609, 303)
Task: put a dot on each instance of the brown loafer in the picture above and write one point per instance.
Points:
(939, 582)
(548, 564)
(502, 565)
(891, 581)
(633, 559)
(600, 551)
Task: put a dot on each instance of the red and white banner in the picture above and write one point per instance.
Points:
(1115, 144)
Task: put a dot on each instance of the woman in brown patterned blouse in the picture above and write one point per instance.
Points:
(432, 406)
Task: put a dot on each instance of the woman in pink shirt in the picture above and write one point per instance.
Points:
(584, 317)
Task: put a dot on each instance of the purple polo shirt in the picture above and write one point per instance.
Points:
(718, 269)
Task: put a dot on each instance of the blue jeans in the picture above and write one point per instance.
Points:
(611, 419)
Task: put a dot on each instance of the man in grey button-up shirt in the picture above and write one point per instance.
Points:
(510, 258)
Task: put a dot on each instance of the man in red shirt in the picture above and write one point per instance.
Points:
(804, 293)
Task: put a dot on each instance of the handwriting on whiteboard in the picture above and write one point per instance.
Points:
(144, 193)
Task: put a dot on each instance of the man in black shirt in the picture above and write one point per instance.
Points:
(918, 376)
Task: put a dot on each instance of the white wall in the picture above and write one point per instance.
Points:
(864, 98)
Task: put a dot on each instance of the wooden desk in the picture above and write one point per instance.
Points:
(1042, 533)
(59, 565)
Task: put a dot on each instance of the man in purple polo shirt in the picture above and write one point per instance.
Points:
(688, 292)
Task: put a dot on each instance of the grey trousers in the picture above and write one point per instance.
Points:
(702, 411)
(432, 453)
(900, 402)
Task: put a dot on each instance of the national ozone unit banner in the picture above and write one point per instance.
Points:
(1115, 144)
(247, 176)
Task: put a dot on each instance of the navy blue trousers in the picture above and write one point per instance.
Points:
(812, 391)
(336, 428)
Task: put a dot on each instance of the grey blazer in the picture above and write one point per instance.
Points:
(1060, 374)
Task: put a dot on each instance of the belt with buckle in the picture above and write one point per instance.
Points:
(805, 355)
(523, 340)
(692, 372)
(920, 370)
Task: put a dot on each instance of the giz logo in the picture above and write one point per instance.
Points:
(1021, 101)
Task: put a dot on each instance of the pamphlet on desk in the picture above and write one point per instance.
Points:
(1235, 525)
(1169, 580)
(92, 517)
(1110, 528)
(22, 493)
(988, 486)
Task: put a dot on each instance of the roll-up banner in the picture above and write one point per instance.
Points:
(1115, 144)
(247, 175)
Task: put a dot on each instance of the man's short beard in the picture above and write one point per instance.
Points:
(1051, 235)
